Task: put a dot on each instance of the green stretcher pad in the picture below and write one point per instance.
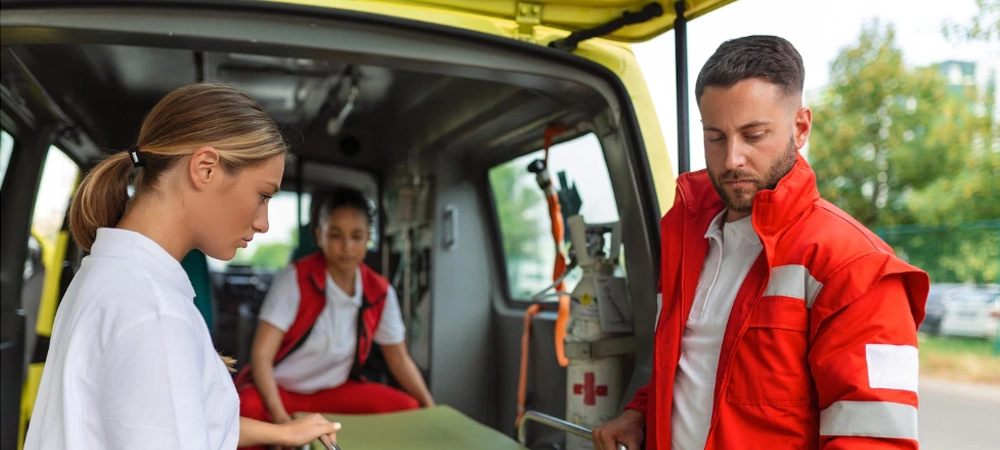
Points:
(437, 428)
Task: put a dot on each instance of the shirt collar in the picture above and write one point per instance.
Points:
(131, 245)
(715, 227)
(744, 227)
(335, 289)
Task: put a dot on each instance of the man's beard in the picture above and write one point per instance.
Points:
(740, 201)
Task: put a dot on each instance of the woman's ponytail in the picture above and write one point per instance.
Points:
(184, 120)
(101, 199)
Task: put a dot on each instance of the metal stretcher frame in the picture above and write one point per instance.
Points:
(439, 427)
(553, 422)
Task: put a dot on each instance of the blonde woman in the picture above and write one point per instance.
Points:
(131, 363)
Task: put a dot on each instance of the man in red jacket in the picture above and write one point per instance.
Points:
(785, 324)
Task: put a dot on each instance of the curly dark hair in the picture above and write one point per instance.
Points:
(326, 202)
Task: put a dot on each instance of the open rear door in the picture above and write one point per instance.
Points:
(576, 15)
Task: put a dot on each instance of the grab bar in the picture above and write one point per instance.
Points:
(559, 424)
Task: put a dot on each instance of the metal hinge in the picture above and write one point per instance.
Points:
(529, 14)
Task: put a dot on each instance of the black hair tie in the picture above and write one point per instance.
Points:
(135, 156)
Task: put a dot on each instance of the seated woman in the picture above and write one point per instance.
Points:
(317, 326)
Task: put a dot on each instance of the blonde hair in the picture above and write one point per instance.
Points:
(202, 114)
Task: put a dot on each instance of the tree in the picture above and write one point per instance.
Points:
(882, 131)
(983, 26)
(895, 145)
(271, 256)
(517, 200)
(514, 198)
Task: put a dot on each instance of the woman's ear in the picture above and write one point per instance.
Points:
(204, 167)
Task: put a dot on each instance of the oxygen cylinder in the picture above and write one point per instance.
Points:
(593, 385)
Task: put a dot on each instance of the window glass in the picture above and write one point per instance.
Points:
(6, 149)
(523, 213)
(59, 178)
(272, 251)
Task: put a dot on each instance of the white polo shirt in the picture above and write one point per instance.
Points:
(325, 359)
(733, 247)
(131, 363)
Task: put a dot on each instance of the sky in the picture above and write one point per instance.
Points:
(818, 29)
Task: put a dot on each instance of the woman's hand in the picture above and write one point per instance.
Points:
(304, 430)
(295, 433)
(407, 374)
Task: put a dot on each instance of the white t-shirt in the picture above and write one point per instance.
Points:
(733, 247)
(325, 359)
(131, 363)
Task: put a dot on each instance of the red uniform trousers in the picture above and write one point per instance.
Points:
(352, 397)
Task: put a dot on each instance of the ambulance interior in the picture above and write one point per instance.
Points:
(436, 127)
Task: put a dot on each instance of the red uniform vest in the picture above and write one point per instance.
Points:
(311, 272)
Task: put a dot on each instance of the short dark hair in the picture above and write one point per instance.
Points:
(769, 57)
(326, 202)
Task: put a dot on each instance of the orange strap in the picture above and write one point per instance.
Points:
(547, 137)
(522, 384)
(558, 236)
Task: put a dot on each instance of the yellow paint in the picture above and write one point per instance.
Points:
(53, 255)
(565, 15)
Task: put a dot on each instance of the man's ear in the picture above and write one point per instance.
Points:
(204, 167)
(803, 126)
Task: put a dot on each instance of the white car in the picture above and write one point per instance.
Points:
(971, 311)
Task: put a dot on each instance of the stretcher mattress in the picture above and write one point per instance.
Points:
(437, 428)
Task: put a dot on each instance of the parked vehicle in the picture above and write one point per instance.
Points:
(969, 311)
(935, 307)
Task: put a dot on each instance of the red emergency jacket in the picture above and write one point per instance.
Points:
(311, 273)
(820, 349)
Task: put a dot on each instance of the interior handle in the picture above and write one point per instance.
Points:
(450, 233)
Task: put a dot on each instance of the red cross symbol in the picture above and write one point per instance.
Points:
(589, 391)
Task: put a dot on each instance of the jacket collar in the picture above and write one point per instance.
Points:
(773, 209)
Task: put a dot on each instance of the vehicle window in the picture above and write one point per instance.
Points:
(523, 212)
(59, 178)
(6, 149)
(273, 250)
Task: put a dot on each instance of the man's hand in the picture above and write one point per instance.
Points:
(306, 429)
(627, 430)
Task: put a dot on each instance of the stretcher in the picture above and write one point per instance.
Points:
(437, 428)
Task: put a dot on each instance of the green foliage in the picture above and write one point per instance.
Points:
(895, 145)
(514, 199)
(271, 256)
(967, 253)
(983, 26)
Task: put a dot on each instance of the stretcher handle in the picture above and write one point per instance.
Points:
(553, 422)
(327, 444)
